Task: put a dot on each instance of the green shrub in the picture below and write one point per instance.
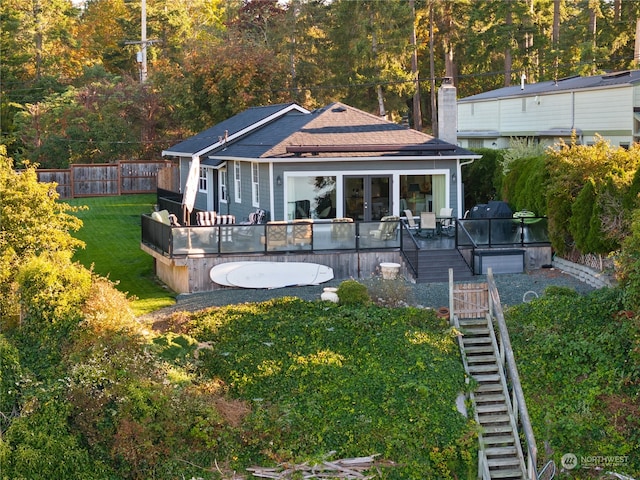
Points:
(628, 265)
(352, 292)
(10, 373)
(525, 185)
(389, 293)
(52, 288)
(579, 373)
(482, 178)
(560, 291)
(39, 445)
(582, 211)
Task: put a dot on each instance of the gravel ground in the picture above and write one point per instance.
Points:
(511, 287)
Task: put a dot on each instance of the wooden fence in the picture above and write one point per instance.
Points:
(121, 178)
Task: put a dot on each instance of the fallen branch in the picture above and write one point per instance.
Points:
(347, 468)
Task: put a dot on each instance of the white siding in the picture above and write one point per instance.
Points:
(478, 116)
(636, 95)
(605, 110)
(542, 112)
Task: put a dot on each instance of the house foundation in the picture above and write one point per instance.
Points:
(190, 274)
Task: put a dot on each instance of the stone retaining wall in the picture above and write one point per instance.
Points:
(583, 273)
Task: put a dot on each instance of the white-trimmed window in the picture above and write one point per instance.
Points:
(255, 184)
(237, 182)
(222, 183)
(202, 180)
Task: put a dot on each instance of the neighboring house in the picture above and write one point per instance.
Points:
(605, 105)
(332, 162)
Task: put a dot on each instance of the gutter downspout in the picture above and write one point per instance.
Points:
(272, 201)
(459, 175)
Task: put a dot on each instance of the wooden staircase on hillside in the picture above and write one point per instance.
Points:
(498, 410)
(499, 442)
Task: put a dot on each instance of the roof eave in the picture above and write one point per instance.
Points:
(239, 133)
(317, 159)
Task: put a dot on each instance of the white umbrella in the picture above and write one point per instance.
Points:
(191, 188)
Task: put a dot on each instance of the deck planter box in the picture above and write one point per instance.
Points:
(500, 261)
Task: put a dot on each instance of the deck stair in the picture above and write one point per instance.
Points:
(433, 265)
(500, 412)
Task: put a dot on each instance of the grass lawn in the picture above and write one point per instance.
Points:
(111, 232)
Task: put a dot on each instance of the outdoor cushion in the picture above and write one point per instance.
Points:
(387, 228)
(224, 220)
(162, 216)
(206, 218)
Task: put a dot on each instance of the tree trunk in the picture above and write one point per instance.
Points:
(432, 74)
(374, 47)
(508, 61)
(417, 110)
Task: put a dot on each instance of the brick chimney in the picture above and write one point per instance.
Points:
(448, 112)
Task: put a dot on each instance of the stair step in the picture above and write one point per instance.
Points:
(497, 429)
(465, 322)
(491, 420)
(504, 462)
(498, 439)
(489, 387)
(486, 378)
(507, 474)
(481, 409)
(481, 359)
(476, 341)
(487, 397)
(500, 451)
(477, 348)
(483, 368)
(474, 330)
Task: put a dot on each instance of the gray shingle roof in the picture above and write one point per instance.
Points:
(232, 126)
(628, 77)
(334, 125)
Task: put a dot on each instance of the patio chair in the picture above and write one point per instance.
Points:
(302, 232)
(342, 229)
(277, 233)
(387, 228)
(411, 223)
(206, 219)
(446, 222)
(173, 220)
(226, 233)
(255, 218)
(428, 225)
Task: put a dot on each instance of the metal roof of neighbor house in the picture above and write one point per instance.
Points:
(628, 77)
(331, 129)
(230, 127)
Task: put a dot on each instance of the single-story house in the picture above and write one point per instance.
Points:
(332, 162)
(329, 187)
(601, 105)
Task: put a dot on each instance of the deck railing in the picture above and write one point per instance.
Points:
(493, 232)
(322, 235)
(410, 249)
(276, 237)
